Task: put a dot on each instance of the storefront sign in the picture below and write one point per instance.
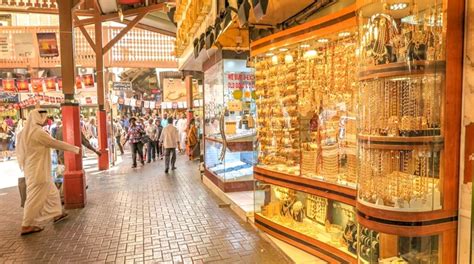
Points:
(8, 85)
(174, 90)
(122, 86)
(48, 45)
(22, 86)
(240, 80)
(37, 85)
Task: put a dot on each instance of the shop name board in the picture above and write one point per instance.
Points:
(122, 86)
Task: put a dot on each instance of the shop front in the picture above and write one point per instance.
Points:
(358, 133)
(229, 103)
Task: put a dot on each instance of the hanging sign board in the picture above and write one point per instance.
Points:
(122, 86)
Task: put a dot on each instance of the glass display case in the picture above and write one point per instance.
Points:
(307, 99)
(401, 82)
(314, 217)
(383, 248)
(229, 102)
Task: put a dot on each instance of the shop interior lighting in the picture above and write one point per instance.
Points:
(344, 34)
(398, 6)
(304, 46)
(288, 59)
(283, 49)
(269, 54)
(275, 59)
(310, 54)
(323, 40)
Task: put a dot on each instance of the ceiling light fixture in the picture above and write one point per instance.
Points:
(269, 54)
(344, 34)
(305, 46)
(283, 49)
(398, 6)
(323, 40)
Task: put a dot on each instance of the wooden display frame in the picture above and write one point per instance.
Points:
(440, 222)
(229, 186)
(311, 245)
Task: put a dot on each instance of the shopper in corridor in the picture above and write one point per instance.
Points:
(135, 134)
(34, 157)
(170, 140)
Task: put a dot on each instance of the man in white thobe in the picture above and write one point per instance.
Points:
(182, 125)
(43, 202)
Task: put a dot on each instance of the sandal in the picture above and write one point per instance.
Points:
(34, 229)
(60, 218)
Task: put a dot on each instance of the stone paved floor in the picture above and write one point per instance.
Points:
(136, 216)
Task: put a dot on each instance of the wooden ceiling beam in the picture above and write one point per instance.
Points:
(49, 11)
(123, 32)
(151, 28)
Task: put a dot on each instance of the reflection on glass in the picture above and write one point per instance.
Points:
(325, 220)
(401, 82)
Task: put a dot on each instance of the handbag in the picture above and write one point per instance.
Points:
(145, 139)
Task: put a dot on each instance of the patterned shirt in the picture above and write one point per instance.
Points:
(135, 133)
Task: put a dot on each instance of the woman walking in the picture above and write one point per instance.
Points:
(192, 140)
(34, 157)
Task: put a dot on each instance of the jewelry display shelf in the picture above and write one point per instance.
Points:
(325, 251)
(405, 69)
(435, 143)
(332, 191)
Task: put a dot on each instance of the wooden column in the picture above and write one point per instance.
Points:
(74, 179)
(188, 80)
(101, 113)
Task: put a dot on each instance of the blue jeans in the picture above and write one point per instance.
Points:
(151, 152)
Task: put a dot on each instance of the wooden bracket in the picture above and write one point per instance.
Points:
(85, 33)
(123, 32)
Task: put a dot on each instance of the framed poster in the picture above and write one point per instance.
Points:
(23, 45)
(48, 44)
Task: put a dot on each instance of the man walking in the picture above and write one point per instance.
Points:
(152, 132)
(170, 140)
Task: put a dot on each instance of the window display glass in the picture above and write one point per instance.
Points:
(307, 109)
(319, 218)
(401, 82)
(376, 247)
(230, 120)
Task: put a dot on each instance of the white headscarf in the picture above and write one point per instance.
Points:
(35, 120)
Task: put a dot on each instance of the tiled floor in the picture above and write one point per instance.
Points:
(138, 215)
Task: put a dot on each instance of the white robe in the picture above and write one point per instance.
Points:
(182, 126)
(43, 202)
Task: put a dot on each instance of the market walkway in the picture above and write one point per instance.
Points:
(138, 215)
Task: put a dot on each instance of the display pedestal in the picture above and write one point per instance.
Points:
(74, 177)
(232, 186)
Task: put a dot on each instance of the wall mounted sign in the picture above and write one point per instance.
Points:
(174, 90)
(23, 45)
(48, 44)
